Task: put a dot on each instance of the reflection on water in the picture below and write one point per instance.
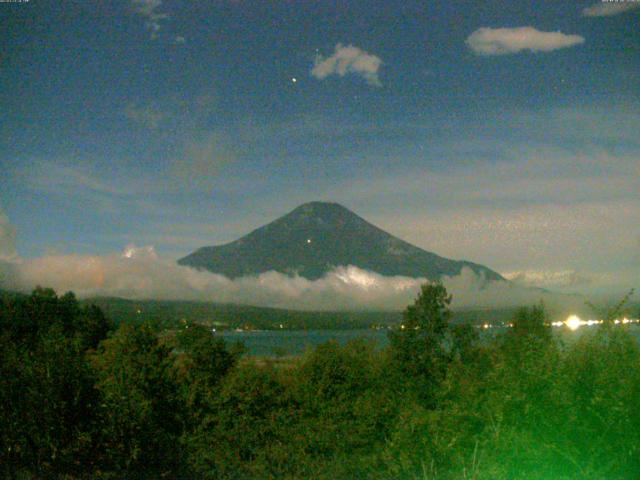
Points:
(295, 342)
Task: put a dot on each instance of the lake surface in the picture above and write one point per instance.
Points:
(296, 342)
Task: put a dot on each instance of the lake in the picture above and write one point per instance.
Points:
(296, 342)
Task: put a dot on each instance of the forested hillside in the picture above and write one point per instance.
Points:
(80, 399)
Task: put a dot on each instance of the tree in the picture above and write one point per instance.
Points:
(92, 326)
(464, 339)
(417, 344)
(140, 408)
(346, 407)
(531, 324)
(201, 361)
(47, 400)
(247, 421)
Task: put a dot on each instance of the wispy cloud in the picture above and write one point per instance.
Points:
(87, 188)
(65, 179)
(203, 156)
(148, 9)
(7, 239)
(196, 167)
(504, 41)
(146, 116)
(610, 8)
(348, 60)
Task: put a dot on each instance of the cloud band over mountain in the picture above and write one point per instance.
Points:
(138, 273)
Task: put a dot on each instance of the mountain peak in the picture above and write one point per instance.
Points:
(316, 237)
(321, 209)
(320, 205)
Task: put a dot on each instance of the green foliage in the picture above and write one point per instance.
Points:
(140, 408)
(464, 341)
(528, 407)
(26, 319)
(611, 313)
(439, 403)
(201, 361)
(48, 404)
(531, 324)
(601, 377)
(346, 405)
(417, 345)
(243, 429)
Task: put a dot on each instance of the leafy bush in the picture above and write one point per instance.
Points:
(78, 400)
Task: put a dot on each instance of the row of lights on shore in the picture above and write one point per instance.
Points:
(573, 322)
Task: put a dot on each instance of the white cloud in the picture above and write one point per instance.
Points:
(470, 290)
(590, 284)
(503, 41)
(554, 279)
(7, 239)
(148, 252)
(348, 59)
(609, 8)
(138, 273)
(148, 10)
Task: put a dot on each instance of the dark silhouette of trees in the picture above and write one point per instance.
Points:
(48, 404)
(531, 324)
(80, 401)
(417, 345)
(140, 408)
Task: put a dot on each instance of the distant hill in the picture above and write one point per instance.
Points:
(318, 236)
(170, 313)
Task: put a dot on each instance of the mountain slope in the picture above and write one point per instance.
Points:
(317, 236)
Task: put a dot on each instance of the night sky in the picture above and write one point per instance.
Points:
(502, 132)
